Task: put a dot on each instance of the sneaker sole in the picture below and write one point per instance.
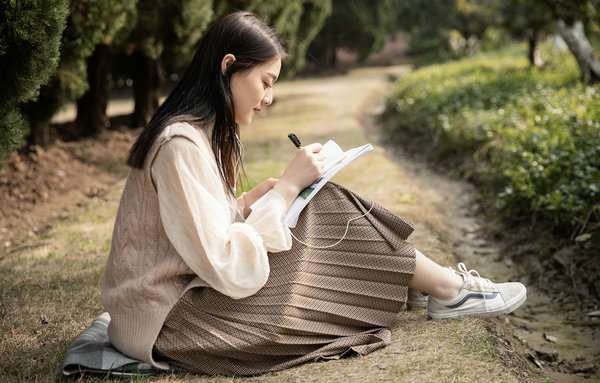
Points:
(510, 306)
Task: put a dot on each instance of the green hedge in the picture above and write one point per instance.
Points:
(534, 135)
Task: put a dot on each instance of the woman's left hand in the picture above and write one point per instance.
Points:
(258, 191)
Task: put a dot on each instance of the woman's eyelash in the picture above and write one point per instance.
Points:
(267, 85)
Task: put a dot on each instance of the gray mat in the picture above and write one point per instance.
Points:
(93, 353)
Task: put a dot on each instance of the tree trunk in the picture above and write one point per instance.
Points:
(579, 45)
(532, 48)
(534, 54)
(91, 107)
(147, 83)
(40, 133)
(39, 114)
(332, 57)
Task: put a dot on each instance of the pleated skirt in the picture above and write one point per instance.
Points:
(320, 302)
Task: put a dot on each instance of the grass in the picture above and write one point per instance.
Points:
(50, 293)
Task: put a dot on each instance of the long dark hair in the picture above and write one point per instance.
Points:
(203, 95)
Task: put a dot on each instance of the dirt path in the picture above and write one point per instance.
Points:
(560, 343)
(60, 278)
(562, 347)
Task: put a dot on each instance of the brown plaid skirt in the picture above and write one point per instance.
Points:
(316, 304)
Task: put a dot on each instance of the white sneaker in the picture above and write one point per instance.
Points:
(479, 297)
(416, 299)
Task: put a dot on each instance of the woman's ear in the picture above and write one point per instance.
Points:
(228, 59)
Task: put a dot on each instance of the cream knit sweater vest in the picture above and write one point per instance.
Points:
(144, 275)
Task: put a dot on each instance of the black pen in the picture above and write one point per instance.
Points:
(294, 140)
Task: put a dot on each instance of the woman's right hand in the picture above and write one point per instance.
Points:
(301, 172)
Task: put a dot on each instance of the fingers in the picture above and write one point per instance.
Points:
(312, 162)
(302, 171)
(312, 153)
(265, 186)
(313, 148)
(270, 182)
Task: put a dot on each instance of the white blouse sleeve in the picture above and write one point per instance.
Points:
(197, 217)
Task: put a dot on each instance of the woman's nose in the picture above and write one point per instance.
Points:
(268, 98)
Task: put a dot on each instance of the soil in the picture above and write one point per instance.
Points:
(40, 186)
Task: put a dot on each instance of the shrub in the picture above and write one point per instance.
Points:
(30, 34)
(534, 136)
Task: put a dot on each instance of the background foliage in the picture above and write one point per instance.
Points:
(30, 36)
(533, 136)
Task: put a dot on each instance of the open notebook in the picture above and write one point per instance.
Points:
(335, 160)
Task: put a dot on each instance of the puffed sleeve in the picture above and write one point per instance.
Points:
(229, 256)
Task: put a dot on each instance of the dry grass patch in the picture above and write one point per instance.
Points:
(51, 292)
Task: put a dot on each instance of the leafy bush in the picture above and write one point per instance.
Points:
(534, 135)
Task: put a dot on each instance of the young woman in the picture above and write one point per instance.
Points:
(197, 279)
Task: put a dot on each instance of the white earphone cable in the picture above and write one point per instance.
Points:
(341, 239)
(237, 163)
(237, 169)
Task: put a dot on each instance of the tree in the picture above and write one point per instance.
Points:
(166, 31)
(119, 18)
(529, 20)
(438, 26)
(30, 35)
(360, 26)
(427, 22)
(571, 17)
(471, 19)
(89, 23)
(297, 22)
(313, 17)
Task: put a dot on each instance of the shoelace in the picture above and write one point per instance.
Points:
(472, 277)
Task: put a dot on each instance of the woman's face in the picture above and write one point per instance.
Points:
(253, 89)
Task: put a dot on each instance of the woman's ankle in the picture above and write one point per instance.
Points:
(449, 290)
